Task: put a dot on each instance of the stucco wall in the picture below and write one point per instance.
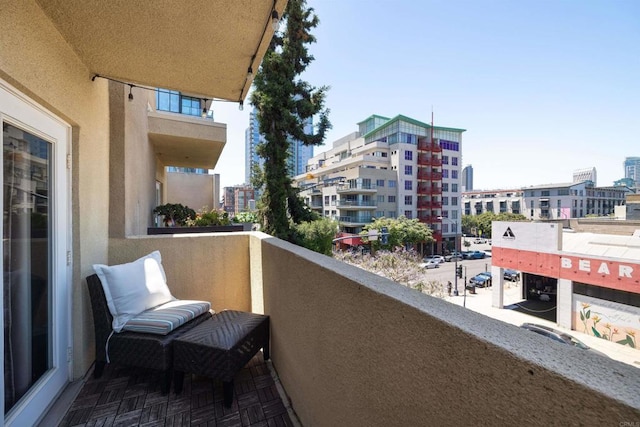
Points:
(36, 60)
(212, 267)
(352, 348)
(193, 190)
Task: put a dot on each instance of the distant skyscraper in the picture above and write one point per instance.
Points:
(588, 174)
(299, 153)
(632, 169)
(252, 138)
(467, 178)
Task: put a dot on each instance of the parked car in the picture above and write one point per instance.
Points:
(431, 263)
(511, 275)
(480, 281)
(437, 258)
(559, 336)
(466, 254)
(455, 256)
(487, 274)
(479, 241)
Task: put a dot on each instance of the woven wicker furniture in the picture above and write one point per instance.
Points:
(143, 350)
(219, 347)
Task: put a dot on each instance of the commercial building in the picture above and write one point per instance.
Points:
(388, 168)
(591, 279)
(238, 198)
(632, 170)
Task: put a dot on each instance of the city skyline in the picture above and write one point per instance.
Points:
(542, 88)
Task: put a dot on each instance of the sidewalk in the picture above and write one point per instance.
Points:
(481, 302)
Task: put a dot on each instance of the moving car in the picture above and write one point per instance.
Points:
(559, 336)
(480, 281)
(477, 255)
(511, 275)
(430, 263)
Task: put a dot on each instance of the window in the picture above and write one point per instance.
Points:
(391, 214)
(333, 200)
(445, 160)
(392, 183)
(454, 214)
(380, 182)
(408, 155)
(408, 185)
(326, 200)
(379, 214)
(380, 198)
(445, 173)
(445, 201)
(454, 174)
(408, 200)
(445, 186)
(408, 169)
(454, 201)
(454, 188)
(408, 214)
(391, 199)
(175, 102)
(454, 161)
(545, 193)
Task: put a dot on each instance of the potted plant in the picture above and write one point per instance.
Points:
(174, 214)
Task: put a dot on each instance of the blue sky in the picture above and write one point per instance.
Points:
(542, 87)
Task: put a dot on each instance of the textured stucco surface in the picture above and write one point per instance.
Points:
(193, 190)
(37, 61)
(376, 353)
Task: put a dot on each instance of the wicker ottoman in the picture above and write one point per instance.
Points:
(219, 347)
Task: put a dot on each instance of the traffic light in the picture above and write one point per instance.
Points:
(384, 238)
(459, 271)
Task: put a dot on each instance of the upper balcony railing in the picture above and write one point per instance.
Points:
(425, 145)
(424, 160)
(429, 204)
(429, 189)
(356, 203)
(357, 188)
(429, 175)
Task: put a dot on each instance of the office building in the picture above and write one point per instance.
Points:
(632, 169)
(467, 178)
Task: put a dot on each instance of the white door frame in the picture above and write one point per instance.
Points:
(20, 111)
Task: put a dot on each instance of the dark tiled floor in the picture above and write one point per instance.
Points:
(131, 397)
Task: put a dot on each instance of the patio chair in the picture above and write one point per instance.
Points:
(144, 341)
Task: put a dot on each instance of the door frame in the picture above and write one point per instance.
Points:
(21, 111)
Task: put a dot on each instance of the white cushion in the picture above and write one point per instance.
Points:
(134, 287)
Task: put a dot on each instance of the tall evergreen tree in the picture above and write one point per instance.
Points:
(284, 102)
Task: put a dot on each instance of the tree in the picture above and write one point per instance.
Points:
(481, 224)
(317, 235)
(402, 232)
(284, 103)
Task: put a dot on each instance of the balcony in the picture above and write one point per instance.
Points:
(355, 220)
(429, 161)
(429, 189)
(343, 338)
(429, 176)
(425, 145)
(429, 204)
(370, 204)
(356, 189)
(185, 141)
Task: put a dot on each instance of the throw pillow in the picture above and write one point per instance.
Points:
(133, 287)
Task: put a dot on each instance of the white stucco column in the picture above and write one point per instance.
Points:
(497, 280)
(564, 303)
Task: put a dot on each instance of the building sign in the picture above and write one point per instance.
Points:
(536, 236)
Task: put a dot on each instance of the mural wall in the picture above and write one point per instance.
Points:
(607, 320)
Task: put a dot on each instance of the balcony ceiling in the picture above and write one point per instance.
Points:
(200, 48)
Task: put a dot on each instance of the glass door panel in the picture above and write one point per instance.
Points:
(26, 244)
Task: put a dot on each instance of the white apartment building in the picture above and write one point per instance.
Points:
(389, 168)
(550, 201)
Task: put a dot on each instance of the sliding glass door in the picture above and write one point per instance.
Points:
(35, 241)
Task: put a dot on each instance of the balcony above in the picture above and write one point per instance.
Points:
(424, 160)
(185, 141)
(425, 145)
(203, 48)
(357, 189)
(370, 204)
(429, 176)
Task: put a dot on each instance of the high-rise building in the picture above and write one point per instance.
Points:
(587, 174)
(388, 168)
(467, 178)
(299, 154)
(632, 169)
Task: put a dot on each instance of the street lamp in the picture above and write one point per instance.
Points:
(455, 258)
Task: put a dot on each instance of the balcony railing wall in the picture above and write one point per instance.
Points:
(377, 353)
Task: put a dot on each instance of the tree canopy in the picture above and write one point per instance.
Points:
(284, 104)
(402, 232)
(481, 224)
